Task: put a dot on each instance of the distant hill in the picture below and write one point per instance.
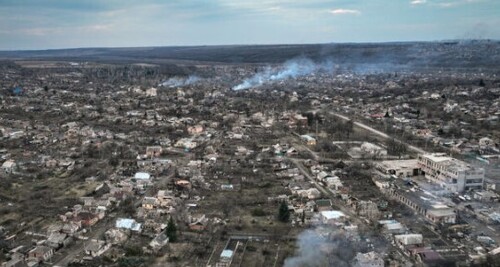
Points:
(481, 54)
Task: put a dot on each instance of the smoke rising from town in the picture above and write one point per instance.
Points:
(181, 81)
(294, 68)
(329, 249)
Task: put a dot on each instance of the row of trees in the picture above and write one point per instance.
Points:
(396, 148)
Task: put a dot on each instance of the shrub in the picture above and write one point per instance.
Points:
(258, 212)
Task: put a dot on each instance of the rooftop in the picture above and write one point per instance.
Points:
(437, 157)
(8, 164)
(332, 214)
(130, 224)
(400, 164)
(226, 253)
(450, 163)
(442, 212)
(419, 196)
(142, 176)
(323, 202)
(410, 239)
(307, 137)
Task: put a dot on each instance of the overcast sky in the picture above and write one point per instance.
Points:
(42, 24)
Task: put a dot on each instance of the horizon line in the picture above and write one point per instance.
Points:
(261, 44)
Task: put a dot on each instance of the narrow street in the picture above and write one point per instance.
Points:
(95, 232)
(326, 192)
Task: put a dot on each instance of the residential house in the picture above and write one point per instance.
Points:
(299, 120)
(186, 143)
(165, 198)
(309, 140)
(15, 263)
(149, 203)
(71, 228)
(427, 256)
(153, 226)
(370, 259)
(440, 213)
(159, 241)
(153, 151)
(154, 164)
(409, 241)
(392, 227)
(486, 142)
(115, 236)
(197, 129)
(142, 180)
(368, 209)
(51, 163)
(86, 218)
(87, 201)
(373, 150)
(56, 240)
(323, 204)
(226, 257)
(9, 166)
(96, 248)
(227, 187)
(40, 253)
(129, 224)
(311, 193)
(198, 224)
(151, 92)
(332, 217)
(183, 184)
(333, 183)
(142, 176)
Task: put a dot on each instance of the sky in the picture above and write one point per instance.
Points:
(50, 24)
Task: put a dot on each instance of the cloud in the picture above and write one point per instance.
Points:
(446, 3)
(58, 30)
(32, 24)
(342, 11)
(418, 2)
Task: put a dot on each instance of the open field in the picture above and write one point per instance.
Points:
(457, 55)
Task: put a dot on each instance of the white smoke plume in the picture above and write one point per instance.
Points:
(291, 69)
(180, 81)
(309, 251)
(320, 247)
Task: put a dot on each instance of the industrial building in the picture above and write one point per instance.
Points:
(422, 202)
(399, 168)
(451, 174)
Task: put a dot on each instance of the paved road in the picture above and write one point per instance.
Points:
(379, 133)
